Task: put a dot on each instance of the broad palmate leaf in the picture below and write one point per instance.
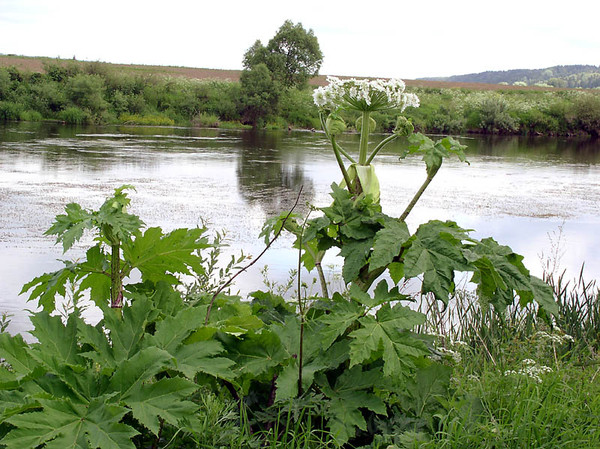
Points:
(352, 391)
(436, 252)
(388, 331)
(63, 424)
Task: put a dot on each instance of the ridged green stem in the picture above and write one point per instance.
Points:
(378, 148)
(338, 158)
(417, 196)
(116, 287)
(364, 138)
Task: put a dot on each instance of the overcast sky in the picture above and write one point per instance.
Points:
(385, 38)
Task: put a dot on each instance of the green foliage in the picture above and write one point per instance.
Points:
(157, 256)
(259, 94)
(87, 91)
(292, 56)
(152, 120)
(78, 381)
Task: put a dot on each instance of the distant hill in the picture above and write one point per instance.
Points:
(571, 76)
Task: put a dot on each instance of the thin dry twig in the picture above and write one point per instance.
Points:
(228, 283)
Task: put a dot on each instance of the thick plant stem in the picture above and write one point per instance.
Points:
(378, 148)
(322, 280)
(338, 158)
(116, 285)
(318, 257)
(364, 138)
(344, 152)
(417, 196)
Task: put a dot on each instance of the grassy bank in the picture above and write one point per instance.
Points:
(80, 93)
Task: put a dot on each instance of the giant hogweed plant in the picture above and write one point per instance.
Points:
(352, 362)
(129, 378)
(373, 243)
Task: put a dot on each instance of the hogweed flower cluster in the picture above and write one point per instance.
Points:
(364, 95)
(531, 370)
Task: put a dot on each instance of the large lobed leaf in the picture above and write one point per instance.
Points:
(388, 332)
(158, 257)
(435, 251)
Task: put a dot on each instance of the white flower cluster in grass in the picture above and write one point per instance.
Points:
(455, 355)
(560, 339)
(531, 370)
(364, 95)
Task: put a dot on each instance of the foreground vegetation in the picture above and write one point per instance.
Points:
(98, 93)
(512, 365)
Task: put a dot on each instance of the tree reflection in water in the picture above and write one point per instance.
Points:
(269, 175)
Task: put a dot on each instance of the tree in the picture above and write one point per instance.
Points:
(292, 56)
(259, 94)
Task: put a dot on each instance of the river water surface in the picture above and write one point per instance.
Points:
(541, 196)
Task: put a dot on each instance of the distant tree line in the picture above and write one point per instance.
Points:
(571, 76)
(97, 93)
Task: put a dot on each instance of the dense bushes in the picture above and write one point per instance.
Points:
(95, 93)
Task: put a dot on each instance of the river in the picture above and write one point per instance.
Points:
(541, 196)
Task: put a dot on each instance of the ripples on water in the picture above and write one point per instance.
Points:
(517, 190)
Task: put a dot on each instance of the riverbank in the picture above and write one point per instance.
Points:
(97, 93)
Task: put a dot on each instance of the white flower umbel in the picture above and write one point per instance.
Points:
(364, 95)
(531, 370)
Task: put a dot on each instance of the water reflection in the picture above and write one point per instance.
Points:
(270, 176)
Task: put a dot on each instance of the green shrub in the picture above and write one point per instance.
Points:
(587, 114)
(150, 119)
(297, 108)
(75, 116)
(10, 110)
(205, 120)
(5, 84)
(31, 116)
(87, 91)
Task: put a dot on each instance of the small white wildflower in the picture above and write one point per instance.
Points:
(449, 352)
(473, 378)
(460, 343)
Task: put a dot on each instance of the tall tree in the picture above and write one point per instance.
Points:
(292, 56)
(259, 94)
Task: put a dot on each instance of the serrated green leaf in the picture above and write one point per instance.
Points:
(173, 330)
(388, 243)
(142, 366)
(436, 251)
(498, 272)
(47, 286)
(542, 293)
(158, 257)
(199, 357)
(355, 255)
(69, 227)
(103, 429)
(287, 382)
(63, 424)
(387, 332)
(259, 353)
(381, 295)
(351, 392)
(14, 350)
(127, 331)
(424, 389)
(342, 315)
(56, 339)
(396, 270)
(164, 399)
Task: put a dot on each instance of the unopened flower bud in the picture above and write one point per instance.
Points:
(404, 126)
(372, 124)
(335, 125)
